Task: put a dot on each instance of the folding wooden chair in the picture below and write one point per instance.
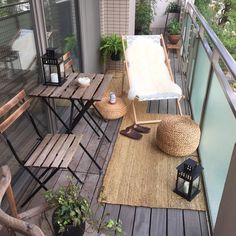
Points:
(53, 152)
(16, 221)
(68, 63)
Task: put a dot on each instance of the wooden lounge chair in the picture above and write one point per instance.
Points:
(149, 71)
(16, 221)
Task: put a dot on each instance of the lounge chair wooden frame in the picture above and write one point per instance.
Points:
(16, 221)
(167, 61)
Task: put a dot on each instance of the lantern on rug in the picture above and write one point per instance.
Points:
(53, 67)
(188, 179)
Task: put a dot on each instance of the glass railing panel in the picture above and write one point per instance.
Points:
(199, 83)
(191, 61)
(187, 32)
(217, 142)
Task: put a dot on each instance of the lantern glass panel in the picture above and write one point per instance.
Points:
(195, 186)
(51, 73)
(180, 185)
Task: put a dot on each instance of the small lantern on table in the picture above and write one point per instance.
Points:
(188, 179)
(53, 67)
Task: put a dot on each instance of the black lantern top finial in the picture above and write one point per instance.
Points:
(190, 168)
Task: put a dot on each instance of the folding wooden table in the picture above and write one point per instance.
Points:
(81, 99)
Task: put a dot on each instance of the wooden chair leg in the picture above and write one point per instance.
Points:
(12, 202)
(134, 112)
(179, 106)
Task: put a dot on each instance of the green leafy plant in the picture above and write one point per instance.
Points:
(70, 43)
(73, 209)
(221, 16)
(144, 14)
(172, 7)
(111, 45)
(174, 27)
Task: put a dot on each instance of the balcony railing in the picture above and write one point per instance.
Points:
(14, 9)
(210, 70)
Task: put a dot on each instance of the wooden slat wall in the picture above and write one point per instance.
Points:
(114, 18)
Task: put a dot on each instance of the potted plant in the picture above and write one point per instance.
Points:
(174, 29)
(144, 13)
(72, 212)
(111, 46)
(172, 7)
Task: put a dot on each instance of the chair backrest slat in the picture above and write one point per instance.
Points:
(13, 102)
(67, 55)
(14, 116)
(68, 64)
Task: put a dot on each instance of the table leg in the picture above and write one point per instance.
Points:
(87, 121)
(83, 107)
(99, 113)
(55, 113)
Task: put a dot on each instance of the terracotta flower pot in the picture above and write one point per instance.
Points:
(174, 39)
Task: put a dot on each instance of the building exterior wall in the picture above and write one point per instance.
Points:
(90, 34)
(160, 17)
(117, 16)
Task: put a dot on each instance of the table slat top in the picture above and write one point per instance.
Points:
(71, 90)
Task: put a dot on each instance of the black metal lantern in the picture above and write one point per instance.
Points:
(188, 179)
(53, 67)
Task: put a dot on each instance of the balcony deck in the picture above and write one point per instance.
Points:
(137, 221)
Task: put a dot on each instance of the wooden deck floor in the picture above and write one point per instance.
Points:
(137, 221)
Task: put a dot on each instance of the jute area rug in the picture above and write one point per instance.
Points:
(139, 174)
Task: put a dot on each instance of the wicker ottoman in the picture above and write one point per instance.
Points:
(178, 136)
(112, 111)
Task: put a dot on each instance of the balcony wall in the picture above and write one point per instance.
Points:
(210, 70)
(117, 17)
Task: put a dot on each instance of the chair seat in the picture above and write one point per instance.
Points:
(55, 151)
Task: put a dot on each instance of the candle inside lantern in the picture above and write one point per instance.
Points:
(54, 78)
(186, 187)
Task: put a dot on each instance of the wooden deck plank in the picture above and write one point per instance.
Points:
(203, 222)
(191, 223)
(127, 214)
(153, 106)
(142, 221)
(158, 222)
(91, 142)
(163, 106)
(175, 222)
(111, 212)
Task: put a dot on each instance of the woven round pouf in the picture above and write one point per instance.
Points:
(178, 136)
(112, 111)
